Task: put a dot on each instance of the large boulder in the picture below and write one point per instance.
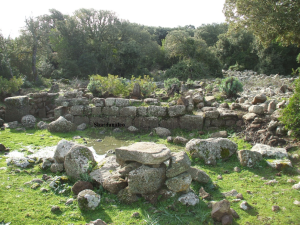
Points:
(16, 108)
(61, 125)
(211, 149)
(146, 179)
(179, 183)
(270, 152)
(114, 183)
(189, 199)
(257, 109)
(249, 158)
(80, 186)
(88, 200)
(143, 152)
(78, 160)
(62, 149)
(179, 163)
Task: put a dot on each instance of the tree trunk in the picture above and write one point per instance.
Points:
(34, 71)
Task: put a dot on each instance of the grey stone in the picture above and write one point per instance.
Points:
(121, 102)
(179, 183)
(110, 102)
(249, 158)
(179, 163)
(268, 151)
(42, 125)
(249, 116)
(212, 114)
(142, 111)
(128, 111)
(219, 134)
(257, 109)
(88, 200)
(111, 111)
(28, 121)
(180, 140)
(146, 179)
(62, 149)
(81, 126)
(177, 110)
(157, 111)
(191, 122)
(189, 199)
(78, 160)
(61, 125)
(211, 149)
(16, 108)
(108, 167)
(57, 167)
(162, 132)
(143, 152)
(261, 98)
(198, 175)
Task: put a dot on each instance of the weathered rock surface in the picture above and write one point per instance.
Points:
(126, 196)
(62, 148)
(249, 158)
(61, 125)
(80, 186)
(179, 163)
(28, 121)
(114, 183)
(271, 152)
(189, 199)
(179, 183)
(198, 175)
(78, 160)
(146, 179)
(211, 149)
(220, 209)
(162, 132)
(88, 200)
(143, 152)
(109, 167)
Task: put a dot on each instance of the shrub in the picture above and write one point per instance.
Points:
(117, 86)
(290, 115)
(107, 85)
(170, 81)
(231, 86)
(10, 86)
(147, 85)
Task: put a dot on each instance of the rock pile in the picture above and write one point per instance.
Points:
(147, 169)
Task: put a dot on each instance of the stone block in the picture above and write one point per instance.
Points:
(77, 120)
(110, 101)
(111, 111)
(128, 111)
(191, 122)
(121, 102)
(96, 111)
(16, 108)
(120, 121)
(171, 123)
(60, 111)
(142, 111)
(99, 121)
(177, 110)
(157, 111)
(145, 122)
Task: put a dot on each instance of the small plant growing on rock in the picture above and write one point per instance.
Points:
(231, 86)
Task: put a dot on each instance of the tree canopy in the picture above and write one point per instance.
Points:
(268, 19)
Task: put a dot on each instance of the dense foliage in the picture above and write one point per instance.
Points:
(118, 86)
(170, 81)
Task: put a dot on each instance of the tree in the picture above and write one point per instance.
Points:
(210, 32)
(269, 19)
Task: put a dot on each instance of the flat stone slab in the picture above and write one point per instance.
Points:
(268, 151)
(143, 152)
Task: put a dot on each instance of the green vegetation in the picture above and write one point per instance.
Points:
(170, 81)
(10, 86)
(19, 202)
(118, 86)
(231, 86)
(290, 115)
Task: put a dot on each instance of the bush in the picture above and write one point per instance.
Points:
(10, 86)
(290, 115)
(231, 86)
(111, 85)
(147, 85)
(170, 81)
(114, 85)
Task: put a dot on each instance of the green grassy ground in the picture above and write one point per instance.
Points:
(19, 204)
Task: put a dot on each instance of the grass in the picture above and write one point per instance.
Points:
(19, 204)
